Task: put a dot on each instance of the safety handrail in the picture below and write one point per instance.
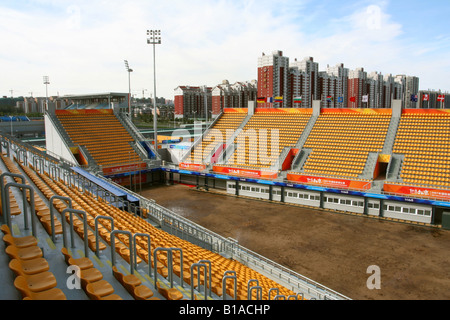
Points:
(257, 287)
(52, 221)
(169, 264)
(113, 247)
(138, 234)
(2, 188)
(37, 159)
(209, 273)
(198, 266)
(96, 222)
(258, 292)
(23, 152)
(25, 211)
(230, 274)
(181, 263)
(5, 144)
(63, 218)
(271, 290)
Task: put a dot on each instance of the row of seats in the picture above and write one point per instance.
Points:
(125, 221)
(423, 139)
(103, 135)
(91, 278)
(41, 209)
(225, 126)
(341, 143)
(32, 276)
(262, 132)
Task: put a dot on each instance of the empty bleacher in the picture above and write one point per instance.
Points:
(222, 130)
(105, 138)
(265, 135)
(342, 140)
(95, 282)
(424, 139)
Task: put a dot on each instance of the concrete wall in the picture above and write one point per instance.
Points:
(54, 143)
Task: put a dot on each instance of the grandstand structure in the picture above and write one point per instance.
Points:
(386, 163)
(60, 210)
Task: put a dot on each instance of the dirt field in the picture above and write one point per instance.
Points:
(332, 249)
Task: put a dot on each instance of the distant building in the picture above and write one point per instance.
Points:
(273, 83)
(282, 83)
(432, 99)
(236, 95)
(189, 102)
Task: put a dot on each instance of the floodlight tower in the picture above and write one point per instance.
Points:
(154, 38)
(129, 70)
(46, 82)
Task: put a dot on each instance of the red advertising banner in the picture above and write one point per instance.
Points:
(192, 166)
(126, 168)
(329, 182)
(246, 172)
(417, 191)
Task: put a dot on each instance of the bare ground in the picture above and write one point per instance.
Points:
(330, 248)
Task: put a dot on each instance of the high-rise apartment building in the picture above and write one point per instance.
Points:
(309, 71)
(297, 83)
(189, 102)
(273, 83)
(236, 95)
(357, 88)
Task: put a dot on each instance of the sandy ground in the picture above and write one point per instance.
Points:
(333, 249)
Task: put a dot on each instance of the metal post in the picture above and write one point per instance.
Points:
(155, 38)
(52, 221)
(113, 247)
(85, 230)
(97, 247)
(24, 194)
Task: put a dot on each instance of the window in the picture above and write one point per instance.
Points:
(420, 212)
(360, 204)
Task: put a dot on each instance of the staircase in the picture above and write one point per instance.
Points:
(390, 135)
(300, 159)
(369, 168)
(394, 168)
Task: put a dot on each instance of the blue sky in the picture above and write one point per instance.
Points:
(81, 45)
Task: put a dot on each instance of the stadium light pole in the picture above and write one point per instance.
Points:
(129, 70)
(46, 82)
(154, 38)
